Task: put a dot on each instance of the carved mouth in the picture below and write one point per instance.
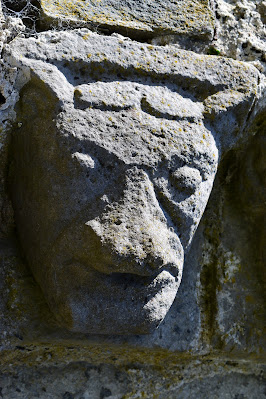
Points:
(122, 303)
(89, 301)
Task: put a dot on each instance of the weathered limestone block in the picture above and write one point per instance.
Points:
(142, 18)
(167, 379)
(115, 148)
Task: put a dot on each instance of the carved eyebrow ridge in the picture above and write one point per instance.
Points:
(149, 109)
(146, 107)
(108, 71)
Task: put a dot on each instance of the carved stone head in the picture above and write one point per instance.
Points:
(115, 153)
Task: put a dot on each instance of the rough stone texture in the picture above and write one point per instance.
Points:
(240, 30)
(138, 145)
(142, 18)
(24, 15)
(211, 342)
(196, 379)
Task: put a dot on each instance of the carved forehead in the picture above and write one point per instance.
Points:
(161, 89)
(134, 136)
(146, 123)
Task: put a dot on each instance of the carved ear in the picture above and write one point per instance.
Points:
(228, 112)
(51, 79)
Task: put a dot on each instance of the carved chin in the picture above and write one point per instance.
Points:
(118, 303)
(95, 282)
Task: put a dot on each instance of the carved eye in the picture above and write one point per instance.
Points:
(186, 179)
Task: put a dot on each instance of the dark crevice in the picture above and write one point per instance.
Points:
(2, 99)
(27, 10)
(79, 104)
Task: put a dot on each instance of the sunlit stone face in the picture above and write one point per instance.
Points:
(114, 157)
(108, 192)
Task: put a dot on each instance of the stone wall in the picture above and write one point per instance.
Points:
(196, 71)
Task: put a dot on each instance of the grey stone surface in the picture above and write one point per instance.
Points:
(115, 155)
(211, 342)
(138, 19)
(240, 30)
(98, 381)
(8, 96)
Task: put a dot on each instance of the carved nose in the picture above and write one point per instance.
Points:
(134, 235)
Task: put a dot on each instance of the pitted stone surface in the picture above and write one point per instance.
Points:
(211, 342)
(240, 30)
(138, 18)
(78, 380)
(116, 153)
